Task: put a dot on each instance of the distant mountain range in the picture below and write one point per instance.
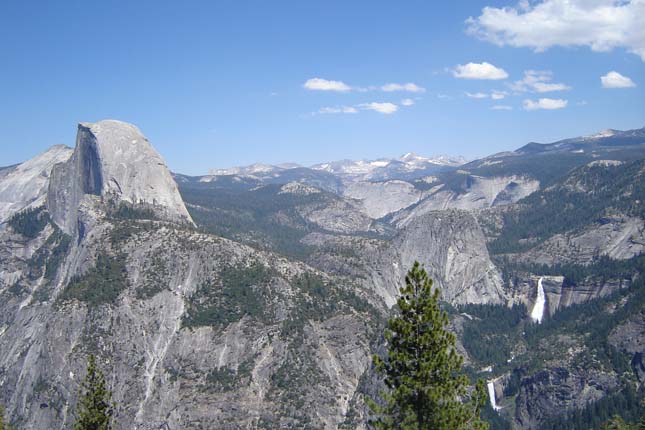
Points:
(569, 152)
(409, 165)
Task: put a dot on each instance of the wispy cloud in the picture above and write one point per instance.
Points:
(479, 71)
(476, 95)
(337, 109)
(319, 84)
(502, 107)
(384, 108)
(409, 87)
(494, 95)
(538, 81)
(616, 80)
(544, 103)
(407, 102)
(498, 95)
(601, 25)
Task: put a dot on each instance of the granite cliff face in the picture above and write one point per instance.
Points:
(194, 331)
(475, 192)
(559, 390)
(25, 185)
(184, 345)
(113, 160)
(382, 198)
(452, 248)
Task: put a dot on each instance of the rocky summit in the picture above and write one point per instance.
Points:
(255, 298)
(112, 160)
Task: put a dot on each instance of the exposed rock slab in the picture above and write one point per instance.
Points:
(452, 248)
(478, 193)
(25, 185)
(382, 198)
(113, 159)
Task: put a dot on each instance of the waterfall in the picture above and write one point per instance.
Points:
(491, 395)
(538, 309)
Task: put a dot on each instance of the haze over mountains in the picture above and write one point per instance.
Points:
(254, 297)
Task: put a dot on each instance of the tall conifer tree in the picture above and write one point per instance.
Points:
(94, 404)
(3, 426)
(422, 371)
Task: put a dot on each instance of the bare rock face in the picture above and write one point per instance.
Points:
(382, 198)
(630, 338)
(113, 160)
(559, 294)
(452, 247)
(619, 237)
(25, 185)
(339, 216)
(478, 193)
(555, 390)
(182, 348)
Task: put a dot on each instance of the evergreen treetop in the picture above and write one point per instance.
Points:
(425, 389)
(94, 410)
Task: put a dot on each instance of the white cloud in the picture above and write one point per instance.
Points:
(479, 71)
(538, 81)
(319, 84)
(548, 104)
(410, 87)
(502, 107)
(337, 109)
(384, 108)
(616, 80)
(498, 95)
(494, 95)
(407, 102)
(601, 25)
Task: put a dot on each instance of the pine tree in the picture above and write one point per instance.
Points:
(425, 389)
(3, 426)
(94, 408)
(616, 423)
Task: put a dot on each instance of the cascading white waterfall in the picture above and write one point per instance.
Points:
(491, 395)
(538, 309)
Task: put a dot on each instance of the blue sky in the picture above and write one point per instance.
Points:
(221, 83)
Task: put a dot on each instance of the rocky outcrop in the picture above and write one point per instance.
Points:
(477, 192)
(617, 236)
(113, 160)
(337, 215)
(25, 185)
(275, 355)
(560, 294)
(382, 198)
(452, 247)
(629, 337)
(554, 391)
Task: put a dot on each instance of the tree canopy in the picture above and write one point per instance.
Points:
(94, 410)
(425, 388)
